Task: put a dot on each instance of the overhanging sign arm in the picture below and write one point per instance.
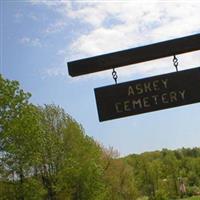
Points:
(134, 55)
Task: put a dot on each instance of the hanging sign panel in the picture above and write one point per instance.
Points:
(148, 94)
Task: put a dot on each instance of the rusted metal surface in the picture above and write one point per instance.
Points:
(148, 94)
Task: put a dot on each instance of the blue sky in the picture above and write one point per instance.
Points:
(38, 38)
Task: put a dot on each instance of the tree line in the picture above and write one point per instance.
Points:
(45, 154)
(167, 174)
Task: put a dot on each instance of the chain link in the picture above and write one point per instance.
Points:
(175, 61)
(114, 74)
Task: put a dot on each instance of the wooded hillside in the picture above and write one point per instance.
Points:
(46, 155)
(167, 174)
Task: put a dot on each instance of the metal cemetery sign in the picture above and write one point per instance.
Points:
(148, 94)
(144, 95)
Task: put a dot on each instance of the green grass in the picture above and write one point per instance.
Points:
(192, 198)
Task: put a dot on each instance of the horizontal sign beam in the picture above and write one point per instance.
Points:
(148, 94)
(134, 55)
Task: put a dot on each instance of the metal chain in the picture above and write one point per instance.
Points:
(175, 61)
(114, 74)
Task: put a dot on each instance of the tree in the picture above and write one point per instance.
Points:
(12, 101)
(20, 136)
(43, 149)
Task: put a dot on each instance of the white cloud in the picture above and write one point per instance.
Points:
(60, 7)
(56, 71)
(117, 25)
(61, 52)
(20, 16)
(141, 23)
(56, 27)
(46, 2)
(91, 14)
(34, 17)
(34, 42)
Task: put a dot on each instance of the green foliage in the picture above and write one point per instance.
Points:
(192, 198)
(7, 190)
(32, 189)
(161, 195)
(12, 101)
(46, 155)
(159, 175)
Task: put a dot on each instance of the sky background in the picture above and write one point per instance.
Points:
(38, 38)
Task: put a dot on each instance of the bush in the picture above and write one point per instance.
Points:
(193, 190)
(161, 195)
